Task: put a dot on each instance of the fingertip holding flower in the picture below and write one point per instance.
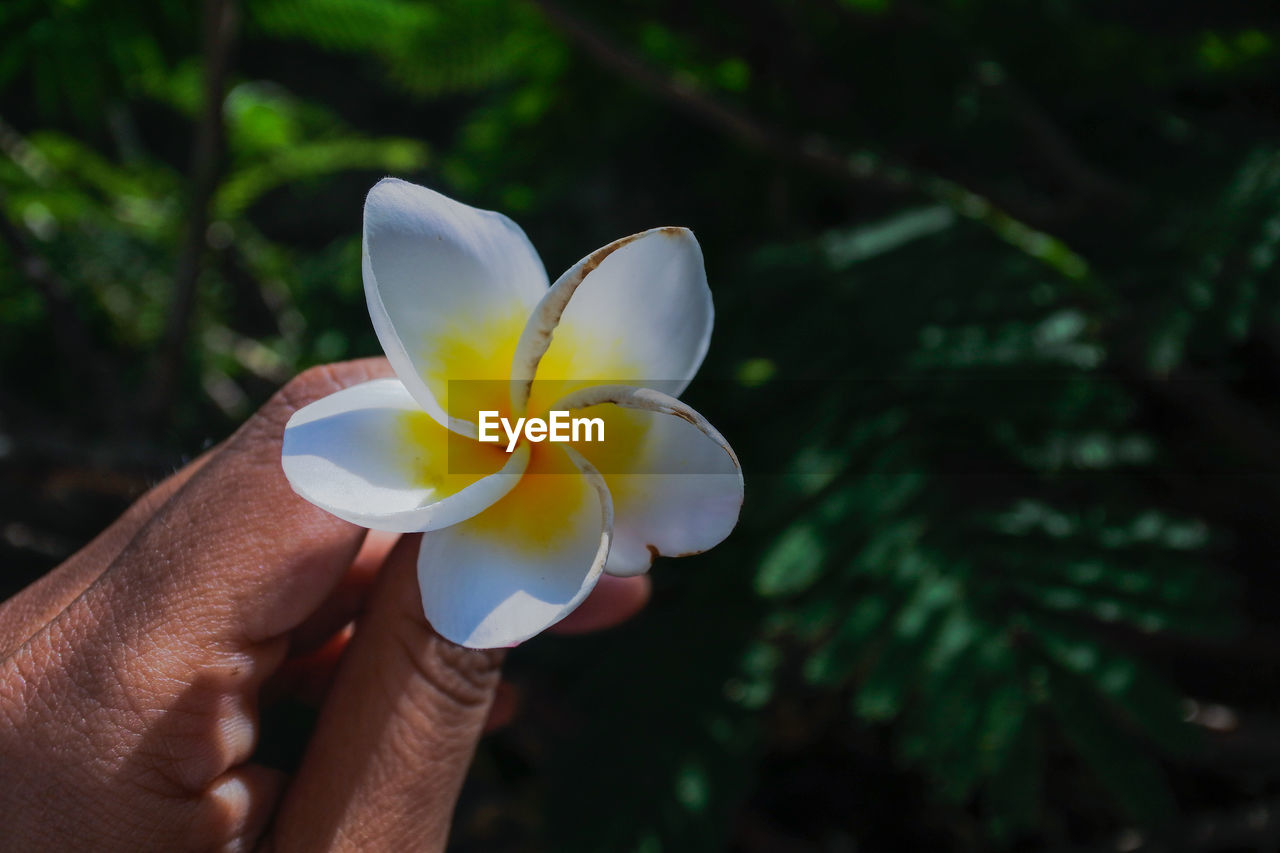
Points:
(516, 541)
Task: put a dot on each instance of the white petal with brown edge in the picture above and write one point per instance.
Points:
(636, 311)
(676, 484)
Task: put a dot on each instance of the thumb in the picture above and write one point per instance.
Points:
(398, 731)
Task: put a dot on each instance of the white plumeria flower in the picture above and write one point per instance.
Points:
(516, 540)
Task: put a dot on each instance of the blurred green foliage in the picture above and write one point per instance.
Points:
(998, 342)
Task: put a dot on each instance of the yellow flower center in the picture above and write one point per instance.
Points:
(471, 368)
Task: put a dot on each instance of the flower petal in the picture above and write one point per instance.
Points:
(449, 288)
(676, 483)
(370, 455)
(637, 311)
(525, 563)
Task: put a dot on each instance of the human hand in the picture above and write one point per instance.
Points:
(130, 675)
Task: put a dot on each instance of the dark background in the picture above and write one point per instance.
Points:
(998, 342)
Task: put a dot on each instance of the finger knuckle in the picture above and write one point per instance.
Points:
(308, 386)
(463, 678)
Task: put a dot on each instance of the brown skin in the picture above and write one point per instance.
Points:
(130, 676)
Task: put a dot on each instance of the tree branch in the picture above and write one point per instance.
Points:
(1054, 146)
(817, 154)
(811, 151)
(221, 18)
